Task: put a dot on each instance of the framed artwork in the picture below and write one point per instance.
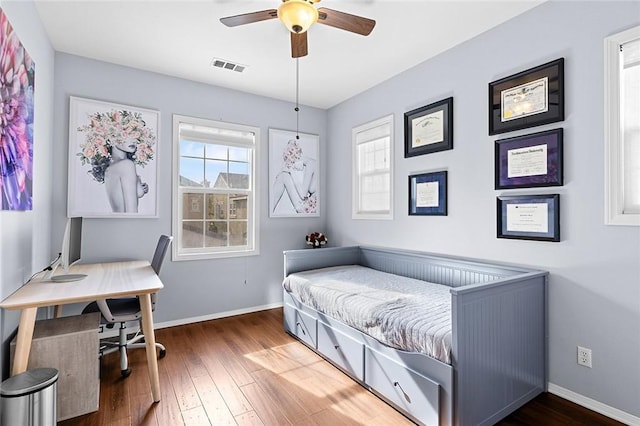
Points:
(529, 98)
(529, 161)
(428, 194)
(429, 129)
(16, 147)
(294, 179)
(529, 217)
(112, 160)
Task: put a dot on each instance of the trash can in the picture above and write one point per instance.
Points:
(29, 398)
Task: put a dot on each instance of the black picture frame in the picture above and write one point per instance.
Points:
(428, 194)
(529, 161)
(542, 89)
(438, 118)
(529, 217)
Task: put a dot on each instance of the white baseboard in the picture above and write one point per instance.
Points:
(218, 315)
(594, 405)
(134, 325)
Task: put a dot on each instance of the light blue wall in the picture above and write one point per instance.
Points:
(594, 297)
(192, 288)
(25, 236)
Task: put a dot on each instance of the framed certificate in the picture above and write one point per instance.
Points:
(529, 98)
(429, 129)
(529, 217)
(529, 161)
(428, 194)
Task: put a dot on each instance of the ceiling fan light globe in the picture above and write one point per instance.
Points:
(297, 15)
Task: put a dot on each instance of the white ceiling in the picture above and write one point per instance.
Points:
(181, 37)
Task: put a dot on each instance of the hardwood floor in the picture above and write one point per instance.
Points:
(246, 370)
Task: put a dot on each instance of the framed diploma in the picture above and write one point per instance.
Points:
(529, 217)
(429, 129)
(529, 161)
(529, 98)
(428, 194)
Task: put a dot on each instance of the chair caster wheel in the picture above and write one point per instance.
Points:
(163, 353)
(125, 373)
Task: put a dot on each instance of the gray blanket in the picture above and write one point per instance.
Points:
(400, 312)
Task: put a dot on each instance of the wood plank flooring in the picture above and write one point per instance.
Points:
(246, 370)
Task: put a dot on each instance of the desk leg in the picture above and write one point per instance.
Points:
(57, 312)
(23, 342)
(150, 341)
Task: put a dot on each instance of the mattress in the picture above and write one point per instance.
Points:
(404, 313)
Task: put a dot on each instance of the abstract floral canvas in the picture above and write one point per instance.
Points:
(17, 77)
(112, 160)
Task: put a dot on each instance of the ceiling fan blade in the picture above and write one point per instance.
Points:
(345, 21)
(249, 18)
(299, 45)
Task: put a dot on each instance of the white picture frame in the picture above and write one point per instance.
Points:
(294, 174)
(98, 187)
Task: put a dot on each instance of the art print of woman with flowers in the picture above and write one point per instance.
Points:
(297, 180)
(117, 142)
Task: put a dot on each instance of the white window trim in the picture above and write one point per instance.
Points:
(176, 211)
(614, 191)
(355, 214)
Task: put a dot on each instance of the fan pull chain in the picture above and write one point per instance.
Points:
(297, 108)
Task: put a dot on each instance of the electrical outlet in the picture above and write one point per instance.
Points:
(584, 356)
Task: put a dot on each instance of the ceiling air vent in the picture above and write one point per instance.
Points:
(224, 64)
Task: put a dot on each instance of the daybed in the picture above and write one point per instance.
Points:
(495, 360)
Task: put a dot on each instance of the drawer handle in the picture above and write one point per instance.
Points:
(407, 397)
(301, 328)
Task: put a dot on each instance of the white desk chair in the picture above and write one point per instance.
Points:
(126, 309)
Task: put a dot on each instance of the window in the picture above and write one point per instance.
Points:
(214, 180)
(622, 128)
(373, 170)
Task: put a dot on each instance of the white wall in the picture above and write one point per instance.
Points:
(594, 291)
(192, 288)
(25, 235)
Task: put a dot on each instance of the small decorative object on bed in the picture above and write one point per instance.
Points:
(316, 239)
(444, 340)
(429, 128)
(529, 98)
(529, 161)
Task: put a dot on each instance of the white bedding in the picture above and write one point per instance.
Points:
(400, 312)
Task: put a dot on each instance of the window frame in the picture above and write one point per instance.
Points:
(253, 220)
(356, 213)
(614, 149)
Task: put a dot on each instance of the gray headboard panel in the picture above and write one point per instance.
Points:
(451, 271)
(454, 272)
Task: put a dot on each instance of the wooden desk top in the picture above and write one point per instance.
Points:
(104, 280)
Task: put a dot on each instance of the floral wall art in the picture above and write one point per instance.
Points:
(112, 160)
(293, 174)
(17, 77)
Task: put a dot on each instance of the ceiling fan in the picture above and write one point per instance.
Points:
(298, 16)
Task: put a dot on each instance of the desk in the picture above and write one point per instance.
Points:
(103, 281)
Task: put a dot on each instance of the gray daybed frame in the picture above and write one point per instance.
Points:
(498, 336)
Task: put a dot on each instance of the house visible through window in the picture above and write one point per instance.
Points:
(214, 206)
(373, 170)
(622, 127)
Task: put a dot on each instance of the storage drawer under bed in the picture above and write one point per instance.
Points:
(344, 351)
(302, 325)
(408, 389)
